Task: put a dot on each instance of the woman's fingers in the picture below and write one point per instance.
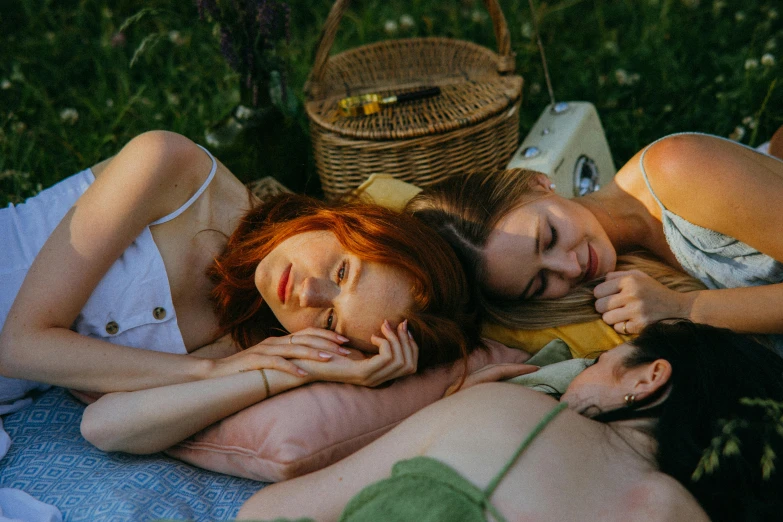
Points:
(607, 288)
(397, 355)
(315, 338)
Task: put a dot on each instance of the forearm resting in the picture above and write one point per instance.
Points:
(62, 357)
(152, 420)
(757, 309)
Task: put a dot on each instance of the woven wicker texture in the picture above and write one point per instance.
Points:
(472, 124)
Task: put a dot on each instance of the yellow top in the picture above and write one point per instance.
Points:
(582, 339)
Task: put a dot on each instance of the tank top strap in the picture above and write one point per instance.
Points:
(195, 196)
(522, 447)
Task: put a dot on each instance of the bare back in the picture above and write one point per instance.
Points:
(576, 469)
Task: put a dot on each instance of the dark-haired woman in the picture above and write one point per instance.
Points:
(705, 208)
(627, 447)
(162, 248)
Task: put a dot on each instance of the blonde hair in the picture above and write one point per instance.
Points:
(465, 210)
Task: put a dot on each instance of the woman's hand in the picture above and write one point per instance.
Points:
(397, 356)
(630, 300)
(491, 373)
(316, 344)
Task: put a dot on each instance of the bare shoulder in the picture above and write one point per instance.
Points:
(718, 185)
(162, 168)
(660, 497)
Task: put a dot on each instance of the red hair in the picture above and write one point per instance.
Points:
(441, 319)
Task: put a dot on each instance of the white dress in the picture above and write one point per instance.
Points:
(132, 304)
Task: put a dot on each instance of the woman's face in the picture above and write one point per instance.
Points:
(310, 279)
(605, 383)
(546, 247)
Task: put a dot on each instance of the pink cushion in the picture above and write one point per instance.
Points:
(311, 427)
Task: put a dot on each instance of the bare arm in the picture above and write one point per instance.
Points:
(148, 421)
(151, 420)
(739, 194)
(152, 175)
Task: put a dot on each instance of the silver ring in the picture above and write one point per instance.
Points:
(625, 327)
(291, 339)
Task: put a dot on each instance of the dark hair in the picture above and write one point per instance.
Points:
(442, 316)
(713, 370)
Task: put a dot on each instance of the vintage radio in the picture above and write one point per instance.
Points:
(568, 144)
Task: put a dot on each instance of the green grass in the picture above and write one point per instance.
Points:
(651, 67)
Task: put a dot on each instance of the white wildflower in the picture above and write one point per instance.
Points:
(738, 133)
(172, 98)
(535, 88)
(527, 30)
(751, 63)
(621, 76)
(5, 84)
(611, 47)
(243, 113)
(478, 16)
(739, 16)
(407, 22)
(176, 38)
(668, 108)
(109, 103)
(768, 60)
(750, 122)
(69, 116)
(390, 27)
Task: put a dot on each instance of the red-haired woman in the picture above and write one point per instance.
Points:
(162, 248)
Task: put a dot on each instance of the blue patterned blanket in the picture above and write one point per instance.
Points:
(51, 461)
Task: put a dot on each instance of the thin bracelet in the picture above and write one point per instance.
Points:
(266, 382)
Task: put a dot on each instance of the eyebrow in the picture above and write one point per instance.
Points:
(523, 295)
(356, 273)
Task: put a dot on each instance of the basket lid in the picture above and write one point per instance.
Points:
(471, 88)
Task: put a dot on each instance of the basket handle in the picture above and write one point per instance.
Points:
(506, 63)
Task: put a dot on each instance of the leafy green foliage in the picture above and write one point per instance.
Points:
(79, 78)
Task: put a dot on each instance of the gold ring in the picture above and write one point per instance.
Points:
(625, 327)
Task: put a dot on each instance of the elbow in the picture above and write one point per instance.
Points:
(95, 432)
(10, 361)
(99, 429)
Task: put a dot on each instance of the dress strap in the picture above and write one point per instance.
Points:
(522, 447)
(195, 196)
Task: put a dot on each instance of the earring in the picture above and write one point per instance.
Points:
(552, 186)
(630, 398)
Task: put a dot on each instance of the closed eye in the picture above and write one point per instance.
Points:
(552, 239)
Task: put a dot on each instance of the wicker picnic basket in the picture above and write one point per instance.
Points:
(473, 123)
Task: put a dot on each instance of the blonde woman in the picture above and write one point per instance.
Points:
(703, 210)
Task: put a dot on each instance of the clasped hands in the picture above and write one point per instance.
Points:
(317, 354)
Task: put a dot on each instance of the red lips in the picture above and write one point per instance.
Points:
(592, 264)
(283, 284)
